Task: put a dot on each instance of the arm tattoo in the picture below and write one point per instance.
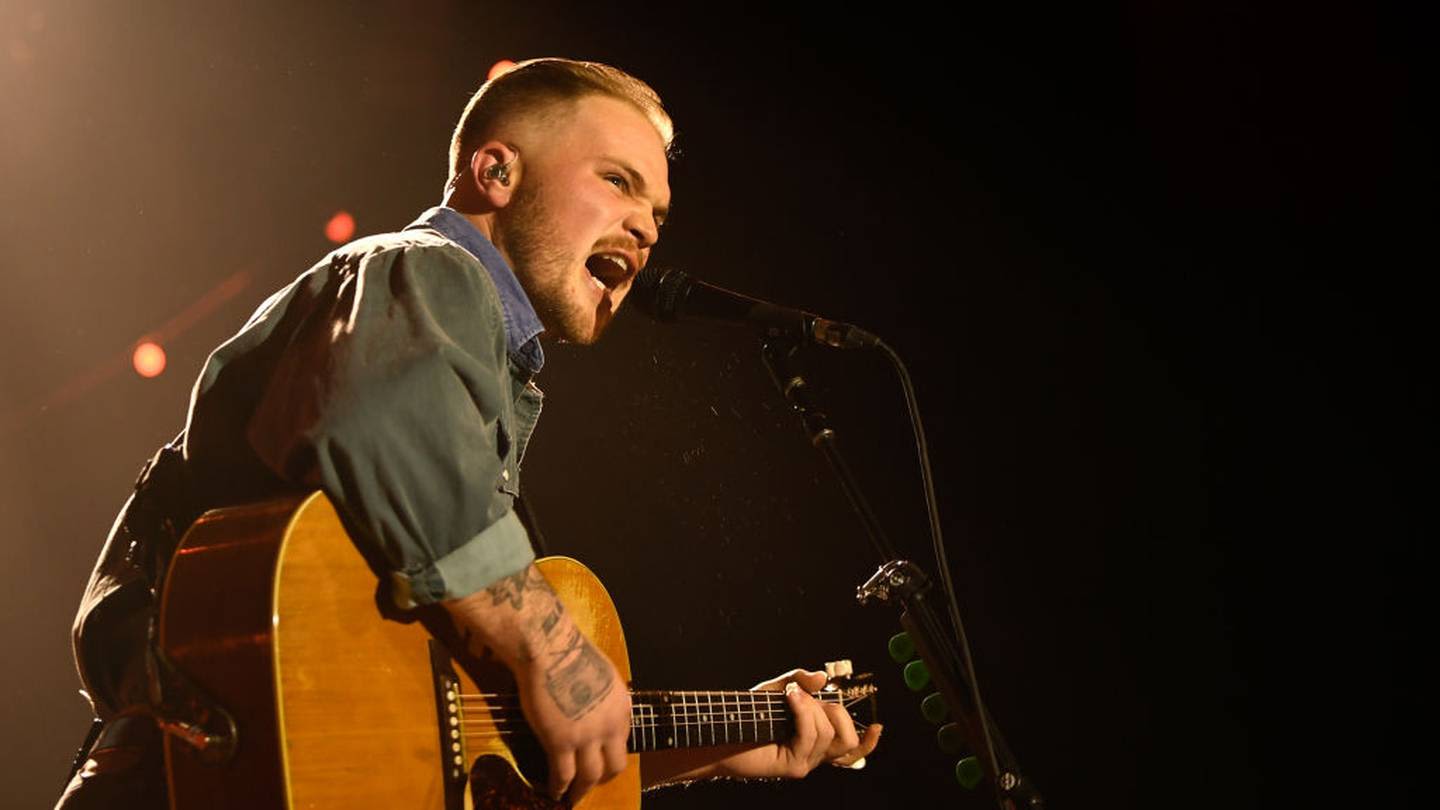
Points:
(512, 588)
(578, 679)
(547, 625)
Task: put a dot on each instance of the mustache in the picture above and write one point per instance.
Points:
(617, 243)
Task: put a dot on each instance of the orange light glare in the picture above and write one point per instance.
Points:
(149, 359)
(499, 67)
(340, 227)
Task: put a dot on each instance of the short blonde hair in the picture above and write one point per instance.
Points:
(536, 87)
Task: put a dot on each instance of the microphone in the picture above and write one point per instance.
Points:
(670, 295)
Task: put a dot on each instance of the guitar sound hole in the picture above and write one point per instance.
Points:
(494, 785)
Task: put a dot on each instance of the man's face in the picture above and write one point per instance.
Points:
(585, 214)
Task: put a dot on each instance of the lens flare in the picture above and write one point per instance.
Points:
(499, 68)
(340, 227)
(149, 359)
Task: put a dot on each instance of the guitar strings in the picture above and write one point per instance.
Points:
(699, 698)
(641, 720)
(481, 729)
(690, 710)
(687, 716)
(683, 694)
(495, 734)
(511, 699)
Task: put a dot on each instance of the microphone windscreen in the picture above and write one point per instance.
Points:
(659, 292)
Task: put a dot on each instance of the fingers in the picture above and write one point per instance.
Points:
(845, 737)
(575, 774)
(616, 758)
(562, 772)
(813, 730)
(589, 769)
(868, 740)
(809, 681)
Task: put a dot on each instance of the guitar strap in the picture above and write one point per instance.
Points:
(162, 510)
(154, 520)
(527, 519)
(84, 753)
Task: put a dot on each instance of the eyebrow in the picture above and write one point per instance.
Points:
(661, 212)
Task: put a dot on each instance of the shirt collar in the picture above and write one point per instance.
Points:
(522, 325)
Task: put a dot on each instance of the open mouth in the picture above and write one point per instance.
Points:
(608, 270)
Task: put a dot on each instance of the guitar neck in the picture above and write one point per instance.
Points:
(660, 720)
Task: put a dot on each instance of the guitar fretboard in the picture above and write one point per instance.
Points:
(661, 720)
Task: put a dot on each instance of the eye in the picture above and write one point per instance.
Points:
(618, 180)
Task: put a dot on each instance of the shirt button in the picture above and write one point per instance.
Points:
(505, 474)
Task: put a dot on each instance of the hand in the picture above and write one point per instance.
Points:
(575, 701)
(823, 732)
(579, 708)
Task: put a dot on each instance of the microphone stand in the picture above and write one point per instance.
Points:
(903, 584)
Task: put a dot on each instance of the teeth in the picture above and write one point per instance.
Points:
(602, 277)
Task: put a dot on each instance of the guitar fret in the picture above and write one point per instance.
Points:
(770, 718)
(643, 720)
(754, 721)
(709, 698)
(729, 718)
(698, 718)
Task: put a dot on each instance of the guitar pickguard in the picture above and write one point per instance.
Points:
(499, 787)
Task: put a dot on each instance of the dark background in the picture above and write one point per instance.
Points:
(1156, 273)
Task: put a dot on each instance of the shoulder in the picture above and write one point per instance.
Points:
(416, 262)
(414, 245)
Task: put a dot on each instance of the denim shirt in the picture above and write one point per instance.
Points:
(395, 375)
(522, 325)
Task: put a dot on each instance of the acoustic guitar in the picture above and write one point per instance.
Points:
(272, 613)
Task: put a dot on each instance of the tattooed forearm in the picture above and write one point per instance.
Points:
(547, 625)
(579, 678)
(561, 652)
(512, 589)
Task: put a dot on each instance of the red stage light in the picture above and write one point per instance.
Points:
(340, 227)
(149, 359)
(499, 68)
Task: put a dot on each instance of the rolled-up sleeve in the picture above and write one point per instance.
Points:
(394, 398)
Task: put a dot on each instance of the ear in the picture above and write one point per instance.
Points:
(487, 161)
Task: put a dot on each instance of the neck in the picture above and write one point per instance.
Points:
(662, 720)
(481, 217)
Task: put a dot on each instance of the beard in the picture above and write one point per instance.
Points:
(526, 234)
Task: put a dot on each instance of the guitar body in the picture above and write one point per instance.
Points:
(272, 612)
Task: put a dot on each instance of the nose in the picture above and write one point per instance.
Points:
(641, 225)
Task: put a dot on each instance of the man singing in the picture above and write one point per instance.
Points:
(396, 376)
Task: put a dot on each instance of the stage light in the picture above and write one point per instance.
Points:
(340, 227)
(499, 68)
(149, 359)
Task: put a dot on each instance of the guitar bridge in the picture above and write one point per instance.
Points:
(450, 713)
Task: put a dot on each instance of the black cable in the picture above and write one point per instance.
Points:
(933, 509)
